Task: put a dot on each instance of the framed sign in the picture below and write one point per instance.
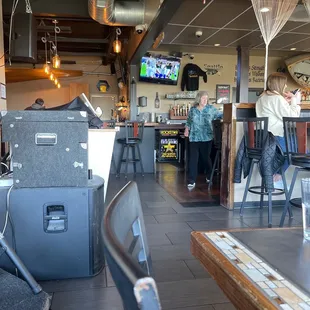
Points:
(222, 93)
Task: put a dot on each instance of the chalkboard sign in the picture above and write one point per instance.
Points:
(222, 93)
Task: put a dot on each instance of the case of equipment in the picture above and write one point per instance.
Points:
(49, 148)
(57, 230)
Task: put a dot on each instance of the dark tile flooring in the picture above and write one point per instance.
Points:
(182, 282)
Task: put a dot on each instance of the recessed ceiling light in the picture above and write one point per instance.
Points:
(293, 48)
(264, 10)
(217, 44)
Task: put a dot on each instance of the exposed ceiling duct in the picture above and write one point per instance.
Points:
(117, 13)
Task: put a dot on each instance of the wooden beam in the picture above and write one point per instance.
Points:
(139, 47)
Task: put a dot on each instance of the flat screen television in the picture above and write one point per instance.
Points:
(160, 69)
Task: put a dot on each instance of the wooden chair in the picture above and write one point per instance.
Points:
(127, 251)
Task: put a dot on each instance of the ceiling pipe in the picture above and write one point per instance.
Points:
(117, 13)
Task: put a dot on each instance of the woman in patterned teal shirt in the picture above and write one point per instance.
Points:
(200, 132)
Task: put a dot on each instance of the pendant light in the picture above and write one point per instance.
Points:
(56, 59)
(46, 67)
(117, 44)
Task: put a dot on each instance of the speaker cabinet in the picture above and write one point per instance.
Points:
(57, 230)
(24, 43)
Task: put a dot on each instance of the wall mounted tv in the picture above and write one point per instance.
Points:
(160, 69)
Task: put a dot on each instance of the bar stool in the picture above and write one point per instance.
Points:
(295, 133)
(217, 141)
(110, 124)
(134, 136)
(255, 135)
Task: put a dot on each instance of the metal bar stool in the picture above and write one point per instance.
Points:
(217, 140)
(296, 134)
(134, 136)
(110, 124)
(255, 135)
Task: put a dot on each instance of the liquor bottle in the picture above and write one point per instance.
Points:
(157, 101)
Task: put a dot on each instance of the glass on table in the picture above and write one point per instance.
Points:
(305, 190)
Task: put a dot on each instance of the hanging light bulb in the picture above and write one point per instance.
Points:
(56, 81)
(47, 68)
(52, 77)
(56, 58)
(117, 44)
(58, 85)
(56, 61)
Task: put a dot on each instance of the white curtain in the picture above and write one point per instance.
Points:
(271, 16)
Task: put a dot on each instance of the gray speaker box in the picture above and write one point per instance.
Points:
(24, 43)
(57, 230)
(49, 148)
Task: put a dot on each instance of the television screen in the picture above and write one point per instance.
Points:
(162, 70)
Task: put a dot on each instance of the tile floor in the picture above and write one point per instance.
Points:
(183, 284)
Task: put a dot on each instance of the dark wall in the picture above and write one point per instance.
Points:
(56, 7)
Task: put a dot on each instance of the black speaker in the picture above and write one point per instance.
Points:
(57, 230)
(24, 43)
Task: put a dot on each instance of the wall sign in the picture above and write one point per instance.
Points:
(222, 93)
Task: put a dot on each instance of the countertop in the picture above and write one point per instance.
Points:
(158, 125)
(304, 106)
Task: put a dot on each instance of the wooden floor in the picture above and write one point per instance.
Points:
(183, 283)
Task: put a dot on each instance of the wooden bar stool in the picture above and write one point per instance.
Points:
(255, 135)
(134, 136)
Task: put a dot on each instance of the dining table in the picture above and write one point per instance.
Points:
(257, 268)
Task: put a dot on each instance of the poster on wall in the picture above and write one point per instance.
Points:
(222, 93)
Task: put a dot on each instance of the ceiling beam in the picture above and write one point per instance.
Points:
(77, 40)
(160, 21)
(53, 8)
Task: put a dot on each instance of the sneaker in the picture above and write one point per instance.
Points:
(191, 185)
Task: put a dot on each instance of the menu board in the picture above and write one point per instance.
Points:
(168, 149)
(222, 93)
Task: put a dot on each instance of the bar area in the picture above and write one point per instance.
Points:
(154, 155)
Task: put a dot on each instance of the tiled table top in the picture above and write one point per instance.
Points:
(277, 288)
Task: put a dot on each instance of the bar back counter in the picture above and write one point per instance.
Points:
(231, 194)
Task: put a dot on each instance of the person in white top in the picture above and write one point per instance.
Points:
(275, 103)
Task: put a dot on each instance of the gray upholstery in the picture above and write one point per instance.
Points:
(17, 295)
(127, 251)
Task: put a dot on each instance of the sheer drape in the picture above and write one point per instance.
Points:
(271, 16)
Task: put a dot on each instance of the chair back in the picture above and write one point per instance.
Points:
(255, 134)
(108, 123)
(217, 133)
(296, 137)
(127, 251)
(134, 131)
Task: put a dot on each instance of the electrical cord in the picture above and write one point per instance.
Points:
(7, 210)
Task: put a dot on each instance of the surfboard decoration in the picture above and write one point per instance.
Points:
(299, 69)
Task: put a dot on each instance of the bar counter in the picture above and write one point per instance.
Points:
(231, 194)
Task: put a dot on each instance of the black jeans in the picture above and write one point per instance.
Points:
(204, 149)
